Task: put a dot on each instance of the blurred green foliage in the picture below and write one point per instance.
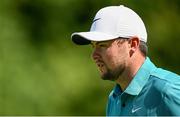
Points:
(43, 73)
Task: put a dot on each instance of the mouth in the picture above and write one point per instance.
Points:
(101, 65)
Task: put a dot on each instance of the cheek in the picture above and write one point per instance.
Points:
(123, 55)
(115, 57)
(111, 58)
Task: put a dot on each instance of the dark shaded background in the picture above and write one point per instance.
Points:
(43, 73)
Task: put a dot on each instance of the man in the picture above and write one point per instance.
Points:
(119, 37)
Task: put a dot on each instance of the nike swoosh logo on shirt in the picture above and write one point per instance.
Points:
(136, 109)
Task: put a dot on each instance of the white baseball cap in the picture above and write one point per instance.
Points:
(110, 23)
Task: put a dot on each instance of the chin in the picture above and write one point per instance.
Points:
(106, 76)
(109, 75)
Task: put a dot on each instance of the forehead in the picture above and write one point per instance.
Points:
(122, 39)
(100, 42)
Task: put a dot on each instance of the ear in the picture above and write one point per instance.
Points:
(133, 45)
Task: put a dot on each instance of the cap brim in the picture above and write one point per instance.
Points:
(84, 38)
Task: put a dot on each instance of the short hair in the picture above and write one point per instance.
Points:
(143, 48)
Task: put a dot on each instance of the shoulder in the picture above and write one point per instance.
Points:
(162, 80)
(164, 86)
(165, 75)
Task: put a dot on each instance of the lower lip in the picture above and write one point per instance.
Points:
(101, 68)
(100, 65)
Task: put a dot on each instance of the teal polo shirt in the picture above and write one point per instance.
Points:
(152, 92)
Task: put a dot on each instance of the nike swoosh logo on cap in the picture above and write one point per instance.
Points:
(96, 20)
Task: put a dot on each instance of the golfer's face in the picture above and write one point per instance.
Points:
(109, 56)
(100, 55)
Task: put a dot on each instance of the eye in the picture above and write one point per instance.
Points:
(92, 46)
(103, 44)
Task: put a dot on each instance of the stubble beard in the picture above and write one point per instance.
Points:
(114, 74)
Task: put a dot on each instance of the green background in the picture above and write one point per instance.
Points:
(43, 73)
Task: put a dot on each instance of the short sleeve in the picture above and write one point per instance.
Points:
(171, 98)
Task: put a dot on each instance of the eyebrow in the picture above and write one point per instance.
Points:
(97, 42)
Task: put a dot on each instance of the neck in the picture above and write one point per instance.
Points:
(132, 68)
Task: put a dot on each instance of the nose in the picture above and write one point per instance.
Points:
(95, 54)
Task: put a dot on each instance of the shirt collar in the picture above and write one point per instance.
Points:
(138, 81)
(117, 90)
(140, 78)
